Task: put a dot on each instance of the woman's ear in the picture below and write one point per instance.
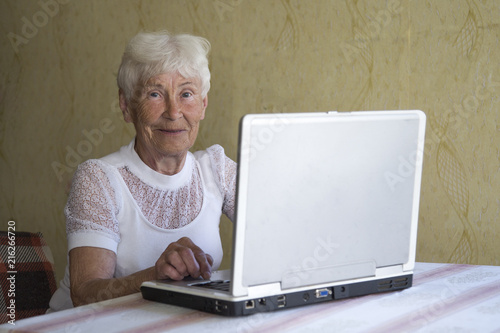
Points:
(205, 103)
(124, 106)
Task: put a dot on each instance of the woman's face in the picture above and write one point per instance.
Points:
(166, 115)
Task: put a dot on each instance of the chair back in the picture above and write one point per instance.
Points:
(27, 275)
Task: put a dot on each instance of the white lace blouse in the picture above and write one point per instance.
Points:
(93, 204)
(119, 203)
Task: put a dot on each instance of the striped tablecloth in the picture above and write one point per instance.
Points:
(444, 298)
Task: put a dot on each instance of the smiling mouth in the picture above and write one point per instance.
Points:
(172, 131)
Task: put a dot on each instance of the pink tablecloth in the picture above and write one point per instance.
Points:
(444, 298)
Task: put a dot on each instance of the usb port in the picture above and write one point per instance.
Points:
(281, 301)
(323, 292)
(218, 306)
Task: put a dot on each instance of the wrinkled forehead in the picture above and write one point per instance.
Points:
(173, 80)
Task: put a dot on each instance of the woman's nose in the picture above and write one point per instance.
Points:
(173, 110)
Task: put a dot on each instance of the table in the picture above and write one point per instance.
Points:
(444, 298)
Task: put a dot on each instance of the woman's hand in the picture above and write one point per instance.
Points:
(183, 258)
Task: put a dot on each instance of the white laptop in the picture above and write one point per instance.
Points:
(327, 208)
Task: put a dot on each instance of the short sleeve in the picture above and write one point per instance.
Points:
(92, 208)
(224, 170)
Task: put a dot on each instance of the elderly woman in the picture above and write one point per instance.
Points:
(150, 210)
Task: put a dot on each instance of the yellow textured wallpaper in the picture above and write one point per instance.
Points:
(59, 106)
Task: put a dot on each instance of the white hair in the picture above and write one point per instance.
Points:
(151, 54)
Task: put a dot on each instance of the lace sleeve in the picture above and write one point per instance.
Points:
(225, 174)
(92, 205)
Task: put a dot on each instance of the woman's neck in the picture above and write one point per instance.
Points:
(167, 165)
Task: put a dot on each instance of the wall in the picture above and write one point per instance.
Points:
(58, 97)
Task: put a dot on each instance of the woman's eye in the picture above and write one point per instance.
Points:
(154, 94)
(186, 94)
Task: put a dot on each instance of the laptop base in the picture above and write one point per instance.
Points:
(276, 302)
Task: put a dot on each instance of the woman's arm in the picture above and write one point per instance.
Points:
(91, 272)
(92, 269)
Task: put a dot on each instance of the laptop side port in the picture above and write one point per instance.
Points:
(323, 292)
(218, 306)
(281, 301)
(250, 304)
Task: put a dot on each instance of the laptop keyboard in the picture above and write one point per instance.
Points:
(222, 285)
